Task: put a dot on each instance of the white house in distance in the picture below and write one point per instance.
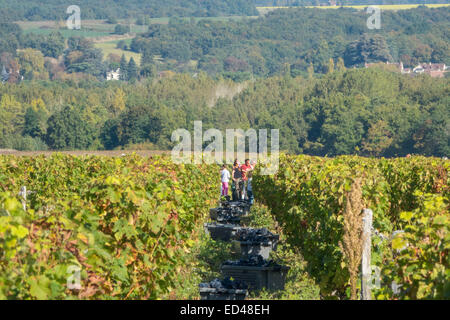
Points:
(113, 75)
(435, 70)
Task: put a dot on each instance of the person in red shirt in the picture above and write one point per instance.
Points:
(246, 168)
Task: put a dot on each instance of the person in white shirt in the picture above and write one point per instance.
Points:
(225, 177)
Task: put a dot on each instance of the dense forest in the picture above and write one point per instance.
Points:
(300, 38)
(35, 10)
(355, 111)
(299, 3)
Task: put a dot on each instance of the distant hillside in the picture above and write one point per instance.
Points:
(300, 39)
(293, 3)
(35, 10)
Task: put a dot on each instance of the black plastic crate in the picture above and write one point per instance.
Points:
(222, 294)
(263, 249)
(258, 277)
(225, 215)
(223, 232)
(256, 242)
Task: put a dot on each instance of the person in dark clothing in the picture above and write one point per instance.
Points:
(237, 185)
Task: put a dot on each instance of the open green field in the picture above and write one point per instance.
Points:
(263, 10)
(110, 47)
(89, 28)
(71, 33)
(99, 28)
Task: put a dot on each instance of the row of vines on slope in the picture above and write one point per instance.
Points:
(126, 223)
(308, 195)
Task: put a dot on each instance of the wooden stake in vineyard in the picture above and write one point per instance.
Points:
(23, 194)
(366, 269)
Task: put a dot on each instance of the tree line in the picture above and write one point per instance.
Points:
(299, 3)
(34, 10)
(369, 112)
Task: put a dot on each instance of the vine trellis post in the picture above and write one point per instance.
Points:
(366, 269)
(23, 194)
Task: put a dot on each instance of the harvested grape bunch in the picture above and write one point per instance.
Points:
(252, 261)
(235, 210)
(259, 236)
(228, 216)
(225, 284)
(241, 205)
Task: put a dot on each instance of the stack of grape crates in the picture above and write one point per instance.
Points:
(254, 271)
(226, 219)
